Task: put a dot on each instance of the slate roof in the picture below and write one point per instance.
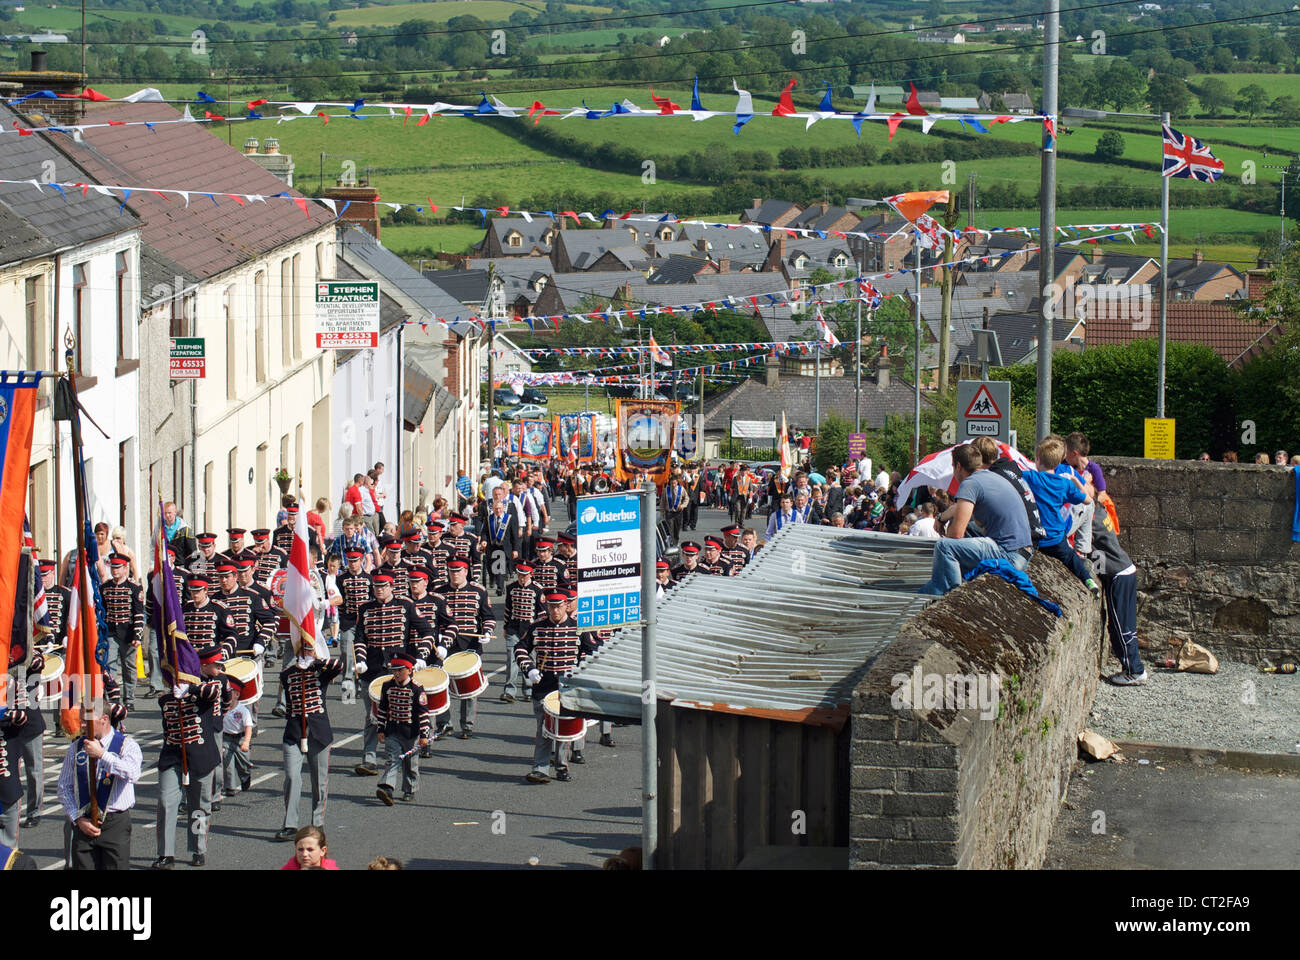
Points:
(531, 233)
(158, 271)
(678, 269)
(470, 287)
(740, 245)
(592, 243)
(206, 238)
(573, 287)
(1017, 333)
(19, 240)
(768, 211)
(366, 255)
(64, 221)
(796, 397)
(1215, 323)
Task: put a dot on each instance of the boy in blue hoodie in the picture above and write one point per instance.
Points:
(1053, 492)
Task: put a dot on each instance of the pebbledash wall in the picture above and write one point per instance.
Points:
(1212, 543)
(933, 786)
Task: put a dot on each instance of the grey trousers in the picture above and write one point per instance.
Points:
(157, 682)
(234, 762)
(1081, 526)
(34, 764)
(606, 729)
(410, 767)
(514, 679)
(199, 797)
(347, 650)
(370, 732)
(121, 666)
(318, 763)
(468, 713)
(546, 750)
(9, 824)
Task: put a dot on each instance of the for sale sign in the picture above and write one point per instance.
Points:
(347, 314)
(187, 359)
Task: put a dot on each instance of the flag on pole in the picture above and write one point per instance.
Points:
(299, 596)
(17, 415)
(787, 461)
(178, 659)
(827, 335)
(83, 634)
(659, 354)
(870, 294)
(40, 606)
(1187, 157)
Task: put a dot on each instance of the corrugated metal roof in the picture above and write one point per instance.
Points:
(788, 638)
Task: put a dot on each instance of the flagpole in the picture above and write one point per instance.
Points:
(84, 598)
(857, 358)
(1164, 285)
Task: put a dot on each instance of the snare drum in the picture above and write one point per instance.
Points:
(560, 728)
(435, 682)
(247, 677)
(51, 686)
(376, 688)
(465, 670)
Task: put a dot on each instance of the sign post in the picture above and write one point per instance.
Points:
(1158, 438)
(347, 314)
(187, 359)
(984, 409)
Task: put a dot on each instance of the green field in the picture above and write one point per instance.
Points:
(441, 12)
(1185, 226)
(410, 241)
(1277, 84)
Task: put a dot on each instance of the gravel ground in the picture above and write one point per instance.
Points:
(1238, 708)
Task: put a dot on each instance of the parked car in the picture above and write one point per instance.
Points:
(505, 397)
(527, 411)
(685, 394)
(533, 395)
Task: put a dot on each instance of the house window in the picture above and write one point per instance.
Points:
(123, 301)
(79, 313)
(286, 312)
(178, 479)
(232, 466)
(176, 325)
(514, 240)
(296, 303)
(232, 339)
(840, 261)
(666, 234)
(32, 290)
(259, 323)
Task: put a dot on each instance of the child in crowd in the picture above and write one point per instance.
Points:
(1053, 492)
(309, 851)
(237, 732)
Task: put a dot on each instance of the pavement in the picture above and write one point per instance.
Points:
(473, 808)
(1176, 815)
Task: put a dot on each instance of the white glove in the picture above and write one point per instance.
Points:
(420, 664)
(442, 653)
(534, 675)
(361, 668)
(483, 640)
(258, 649)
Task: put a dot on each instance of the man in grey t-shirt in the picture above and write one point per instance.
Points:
(993, 503)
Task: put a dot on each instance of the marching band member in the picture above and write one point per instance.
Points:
(124, 614)
(525, 604)
(386, 626)
(11, 784)
(471, 613)
(191, 746)
(403, 711)
(390, 562)
(439, 552)
(269, 559)
(501, 542)
(566, 552)
(414, 553)
(461, 545)
(28, 735)
(735, 555)
(57, 600)
(307, 733)
(712, 562)
(247, 616)
(354, 584)
(663, 578)
(202, 564)
(549, 571)
(549, 649)
(690, 561)
(105, 843)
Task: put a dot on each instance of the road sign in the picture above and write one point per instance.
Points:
(609, 560)
(347, 314)
(857, 446)
(187, 359)
(1158, 438)
(984, 409)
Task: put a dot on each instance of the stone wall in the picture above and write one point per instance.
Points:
(933, 785)
(1212, 542)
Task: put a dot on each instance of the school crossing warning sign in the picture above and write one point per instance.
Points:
(984, 409)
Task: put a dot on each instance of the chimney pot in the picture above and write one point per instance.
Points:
(38, 61)
(883, 366)
(250, 146)
(272, 145)
(772, 369)
(1198, 256)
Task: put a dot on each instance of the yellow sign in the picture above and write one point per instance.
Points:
(1158, 437)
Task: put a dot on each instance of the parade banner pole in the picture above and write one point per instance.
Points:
(649, 697)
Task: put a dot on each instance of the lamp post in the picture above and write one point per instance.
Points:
(1079, 113)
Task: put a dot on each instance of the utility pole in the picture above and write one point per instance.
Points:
(857, 363)
(970, 200)
(492, 371)
(1047, 219)
(916, 387)
(83, 42)
(1162, 347)
(945, 308)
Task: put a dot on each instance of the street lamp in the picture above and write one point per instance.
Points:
(1079, 113)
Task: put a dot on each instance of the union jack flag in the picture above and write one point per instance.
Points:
(870, 294)
(1187, 157)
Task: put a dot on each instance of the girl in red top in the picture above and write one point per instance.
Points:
(309, 851)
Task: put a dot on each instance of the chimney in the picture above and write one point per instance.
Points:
(702, 245)
(650, 250)
(250, 147)
(758, 202)
(38, 61)
(883, 366)
(361, 209)
(985, 324)
(771, 368)
(1198, 257)
(272, 146)
(724, 265)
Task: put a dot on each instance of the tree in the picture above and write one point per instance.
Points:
(1252, 100)
(1285, 107)
(1168, 94)
(1110, 146)
(1123, 85)
(832, 448)
(1215, 95)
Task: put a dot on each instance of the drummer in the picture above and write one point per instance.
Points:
(549, 649)
(307, 732)
(470, 611)
(403, 717)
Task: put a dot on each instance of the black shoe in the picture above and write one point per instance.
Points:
(607, 741)
(164, 863)
(507, 698)
(365, 770)
(577, 757)
(216, 805)
(562, 774)
(246, 785)
(426, 754)
(199, 860)
(286, 833)
(383, 794)
(466, 734)
(278, 712)
(537, 777)
(407, 797)
(32, 821)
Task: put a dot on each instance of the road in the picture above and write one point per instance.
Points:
(473, 808)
